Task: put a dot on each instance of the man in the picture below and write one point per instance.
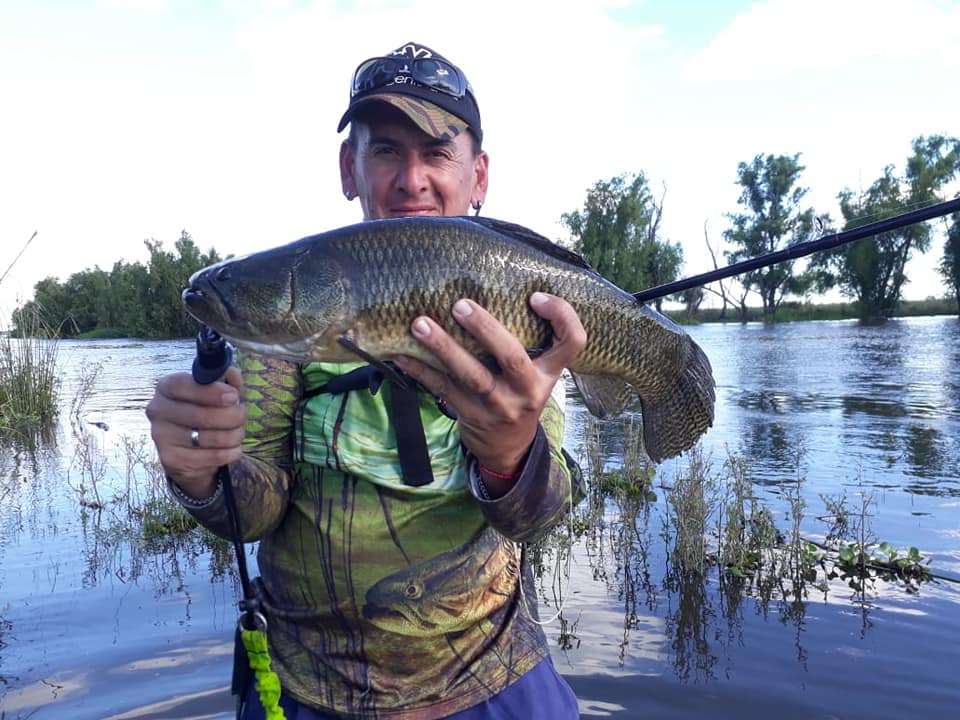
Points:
(394, 589)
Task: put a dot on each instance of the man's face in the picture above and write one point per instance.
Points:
(398, 170)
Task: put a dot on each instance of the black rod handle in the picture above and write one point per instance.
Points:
(214, 356)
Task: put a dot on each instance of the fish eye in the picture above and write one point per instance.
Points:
(222, 275)
(412, 591)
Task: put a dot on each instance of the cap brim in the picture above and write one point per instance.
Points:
(433, 120)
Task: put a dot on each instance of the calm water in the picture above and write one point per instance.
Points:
(92, 626)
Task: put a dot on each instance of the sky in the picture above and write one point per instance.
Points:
(128, 120)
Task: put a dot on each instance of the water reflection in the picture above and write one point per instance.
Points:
(873, 406)
(925, 451)
(79, 564)
(858, 399)
(690, 625)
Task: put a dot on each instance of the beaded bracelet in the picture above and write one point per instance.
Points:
(481, 488)
(190, 502)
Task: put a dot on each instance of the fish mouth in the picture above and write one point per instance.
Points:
(386, 618)
(205, 305)
(379, 613)
(204, 301)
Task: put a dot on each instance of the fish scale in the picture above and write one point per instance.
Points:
(368, 282)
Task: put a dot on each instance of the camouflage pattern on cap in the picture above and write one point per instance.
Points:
(432, 119)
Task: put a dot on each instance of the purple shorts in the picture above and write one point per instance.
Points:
(541, 694)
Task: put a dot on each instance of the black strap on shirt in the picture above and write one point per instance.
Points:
(404, 408)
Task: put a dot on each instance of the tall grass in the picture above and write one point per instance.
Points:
(29, 377)
(691, 502)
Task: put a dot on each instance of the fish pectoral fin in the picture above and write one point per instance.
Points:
(389, 371)
(604, 395)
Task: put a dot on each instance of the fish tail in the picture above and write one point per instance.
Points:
(675, 417)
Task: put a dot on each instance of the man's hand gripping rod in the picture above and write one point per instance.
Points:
(214, 358)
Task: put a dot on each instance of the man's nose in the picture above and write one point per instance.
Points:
(413, 175)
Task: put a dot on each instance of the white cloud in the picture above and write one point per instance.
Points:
(780, 38)
(148, 5)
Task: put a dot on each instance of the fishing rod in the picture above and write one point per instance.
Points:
(214, 357)
(799, 250)
(251, 657)
(22, 250)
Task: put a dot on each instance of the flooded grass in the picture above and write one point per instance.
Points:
(714, 523)
(139, 516)
(708, 548)
(132, 526)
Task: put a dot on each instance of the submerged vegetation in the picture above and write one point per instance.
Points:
(136, 512)
(720, 544)
(713, 524)
(131, 525)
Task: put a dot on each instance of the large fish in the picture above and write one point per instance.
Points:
(355, 291)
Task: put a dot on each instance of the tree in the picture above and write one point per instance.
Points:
(661, 264)
(691, 298)
(128, 290)
(168, 274)
(130, 300)
(950, 262)
(722, 292)
(51, 304)
(617, 232)
(773, 222)
(873, 271)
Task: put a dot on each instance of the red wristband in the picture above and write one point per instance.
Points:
(498, 475)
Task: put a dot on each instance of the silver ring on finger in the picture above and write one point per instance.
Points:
(195, 438)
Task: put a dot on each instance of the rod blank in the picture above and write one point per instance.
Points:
(799, 250)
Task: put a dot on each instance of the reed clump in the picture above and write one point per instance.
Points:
(29, 377)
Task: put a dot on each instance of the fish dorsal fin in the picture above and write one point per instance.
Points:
(604, 395)
(528, 236)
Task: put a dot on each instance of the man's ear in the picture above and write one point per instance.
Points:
(481, 169)
(348, 180)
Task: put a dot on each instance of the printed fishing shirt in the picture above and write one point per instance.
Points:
(386, 600)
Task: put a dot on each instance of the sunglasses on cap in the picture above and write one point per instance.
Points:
(430, 72)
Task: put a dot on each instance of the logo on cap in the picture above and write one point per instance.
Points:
(413, 51)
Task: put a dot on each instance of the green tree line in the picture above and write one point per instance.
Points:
(617, 231)
(130, 300)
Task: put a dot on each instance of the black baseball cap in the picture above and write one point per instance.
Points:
(424, 85)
